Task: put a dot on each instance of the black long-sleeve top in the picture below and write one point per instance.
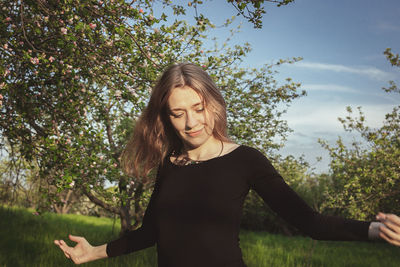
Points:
(195, 210)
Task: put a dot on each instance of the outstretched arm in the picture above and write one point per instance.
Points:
(286, 203)
(83, 251)
(267, 182)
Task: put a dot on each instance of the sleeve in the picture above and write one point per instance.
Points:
(141, 238)
(269, 184)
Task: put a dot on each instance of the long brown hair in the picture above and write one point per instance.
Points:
(154, 136)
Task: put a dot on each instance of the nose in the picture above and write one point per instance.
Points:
(191, 121)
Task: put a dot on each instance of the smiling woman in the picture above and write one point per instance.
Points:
(194, 213)
(191, 121)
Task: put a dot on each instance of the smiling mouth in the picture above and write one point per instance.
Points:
(193, 134)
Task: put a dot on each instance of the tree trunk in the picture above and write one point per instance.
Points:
(138, 215)
(65, 207)
(125, 220)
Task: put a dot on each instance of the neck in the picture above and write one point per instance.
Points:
(211, 148)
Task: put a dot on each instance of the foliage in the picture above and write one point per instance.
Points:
(253, 10)
(17, 186)
(21, 185)
(253, 98)
(394, 59)
(366, 175)
(75, 74)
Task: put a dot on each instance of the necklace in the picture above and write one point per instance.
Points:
(185, 160)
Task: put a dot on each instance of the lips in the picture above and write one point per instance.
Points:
(194, 134)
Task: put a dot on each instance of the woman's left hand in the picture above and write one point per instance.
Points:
(390, 233)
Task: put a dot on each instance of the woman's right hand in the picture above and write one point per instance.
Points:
(391, 229)
(83, 251)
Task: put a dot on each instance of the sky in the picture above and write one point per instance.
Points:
(341, 43)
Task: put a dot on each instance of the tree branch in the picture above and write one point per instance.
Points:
(100, 203)
(23, 29)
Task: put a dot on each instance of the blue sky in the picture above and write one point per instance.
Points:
(342, 44)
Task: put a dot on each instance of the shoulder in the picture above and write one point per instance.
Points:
(240, 152)
(251, 153)
(259, 168)
(229, 147)
(254, 159)
(248, 157)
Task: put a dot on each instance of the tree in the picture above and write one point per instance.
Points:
(253, 10)
(21, 184)
(366, 175)
(17, 179)
(76, 74)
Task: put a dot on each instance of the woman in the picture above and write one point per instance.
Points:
(203, 178)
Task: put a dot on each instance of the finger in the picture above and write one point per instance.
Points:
(381, 216)
(395, 228)
(389, 233)
(389, 240)
(394, 218)
(62, 242)
(65, 247)
(67, 255)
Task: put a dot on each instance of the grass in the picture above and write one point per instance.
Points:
(27, 240)
(263, 249)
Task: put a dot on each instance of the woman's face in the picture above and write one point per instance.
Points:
(192, 121)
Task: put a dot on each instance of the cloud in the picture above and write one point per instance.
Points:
(368, 71)
(313, 121)
(323, 117)
(328, 87)
(340, 89)
(386, 26)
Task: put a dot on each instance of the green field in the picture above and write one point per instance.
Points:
(27, 240)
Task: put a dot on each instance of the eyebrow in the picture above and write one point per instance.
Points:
(193, 106)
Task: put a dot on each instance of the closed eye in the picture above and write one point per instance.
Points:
(176, 115)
